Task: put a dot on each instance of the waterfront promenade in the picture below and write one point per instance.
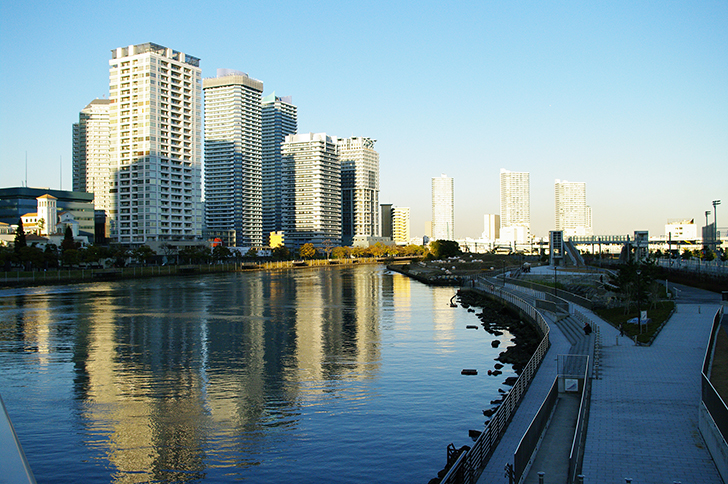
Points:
(643, 421)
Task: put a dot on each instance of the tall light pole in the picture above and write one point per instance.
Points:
(705, 232)
(715, 223)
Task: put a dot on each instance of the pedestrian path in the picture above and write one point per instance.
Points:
(643, 422)
(553, 459)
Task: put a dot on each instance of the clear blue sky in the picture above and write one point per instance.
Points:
(629, 97)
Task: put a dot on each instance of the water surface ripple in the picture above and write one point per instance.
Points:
(343, 375)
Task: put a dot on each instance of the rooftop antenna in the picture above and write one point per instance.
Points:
(26, 169)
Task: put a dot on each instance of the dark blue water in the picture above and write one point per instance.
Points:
(340, 375)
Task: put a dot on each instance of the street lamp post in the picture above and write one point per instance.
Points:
(706, 244)
(715, 223)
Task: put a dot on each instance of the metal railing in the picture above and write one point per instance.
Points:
(550, 291)
(577, 444)
(710, 396)
(469, 465)
(530, 439)
(715, 267)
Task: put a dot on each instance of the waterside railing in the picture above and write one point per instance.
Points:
(469, 465)
(714, 405)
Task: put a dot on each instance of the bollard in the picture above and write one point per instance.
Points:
(616, 340)
(540, 477)
(580, 479)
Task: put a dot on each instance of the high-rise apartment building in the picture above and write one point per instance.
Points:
(233, 170)
(91, 171)
(311, 185)
(515, 206)
(359, 188)
(155, 145)
(443, 210)
(401, 225)
(491, 222)
(573, 216)
(280, 119)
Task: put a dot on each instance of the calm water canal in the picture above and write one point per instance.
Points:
(346, 375)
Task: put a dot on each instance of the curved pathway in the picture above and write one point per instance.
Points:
(643, 421)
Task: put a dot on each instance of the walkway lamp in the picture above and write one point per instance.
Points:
(715, 223)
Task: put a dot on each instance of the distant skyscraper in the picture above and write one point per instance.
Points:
(443, 211)
(359, 188)
(311, 190)
(233, 196)
(573, 216)
(91, 171)
(401, 225)
(156, 144)
(279, 120)
(515, 206)
(492, 227)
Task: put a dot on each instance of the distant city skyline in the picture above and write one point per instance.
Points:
(627, 97)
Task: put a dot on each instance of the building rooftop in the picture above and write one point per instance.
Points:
(156, 49)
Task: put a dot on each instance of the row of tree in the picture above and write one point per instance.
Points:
(72, 254)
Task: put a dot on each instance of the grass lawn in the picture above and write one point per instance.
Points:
(658, 315)
(719, 373)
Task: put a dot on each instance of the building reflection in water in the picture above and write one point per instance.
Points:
(444, 318)
(402, 300)
(166, 368)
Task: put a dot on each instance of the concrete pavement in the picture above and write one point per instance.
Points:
(643, 421)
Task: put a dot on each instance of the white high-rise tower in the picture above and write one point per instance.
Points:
(156, 145)
(311, 190)
(359, 188)
(515, 206)
(91, 171)
(443, 210)
(279, 120)
(233, 196)
(573, 216)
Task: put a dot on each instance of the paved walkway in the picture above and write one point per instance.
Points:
(553, 455)
(643, 421)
